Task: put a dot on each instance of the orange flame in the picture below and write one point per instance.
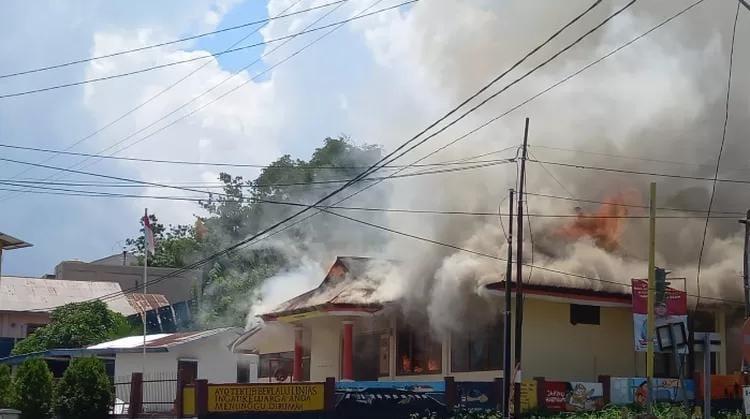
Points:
(603, 225)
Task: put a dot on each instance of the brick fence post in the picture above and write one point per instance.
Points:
(606, 381)
(201, 398)
(497, 393)
(451, 393)
(541, 392)
(136, 395)
(329, 397)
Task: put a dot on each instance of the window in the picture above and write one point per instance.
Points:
(280, 365)
(243, 372)
(188, 370)
(31, 328)
(477, 350)
(417, 352)
(580, 314)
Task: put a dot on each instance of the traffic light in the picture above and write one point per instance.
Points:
(661, 285)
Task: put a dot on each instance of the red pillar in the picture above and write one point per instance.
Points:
(347, 372)
(298, 351)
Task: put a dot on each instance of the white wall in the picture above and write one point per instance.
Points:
(325, 347)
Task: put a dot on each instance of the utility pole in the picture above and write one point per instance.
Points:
(745, 267)
(650, 325)
(507, 381)
(519, 276)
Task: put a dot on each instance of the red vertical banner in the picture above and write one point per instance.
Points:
(673, 310)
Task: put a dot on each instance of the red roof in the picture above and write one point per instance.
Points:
(583, 294)
(344, 288)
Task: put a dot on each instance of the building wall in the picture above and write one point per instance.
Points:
(325, 347)
(555, 348)
(215, 362)
(176, 289)
(13, 324)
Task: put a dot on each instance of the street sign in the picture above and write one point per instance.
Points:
(714, 339)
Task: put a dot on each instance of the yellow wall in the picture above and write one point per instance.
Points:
(556, 349)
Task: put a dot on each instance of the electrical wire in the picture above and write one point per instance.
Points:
(220, 164)
(718, 157)
(263, 233)
(172, 42)
(199, 58)
(154, 97)
(638, 172)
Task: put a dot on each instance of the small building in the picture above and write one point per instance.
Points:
(339, 329)
(26, 303)
(179, 288)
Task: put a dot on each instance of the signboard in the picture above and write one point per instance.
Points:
(265, 398)
(674, 310)
(565, 396)
(476, 394)
(746, 398)
(390, 399)
(634, 390)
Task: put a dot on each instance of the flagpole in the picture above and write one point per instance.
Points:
(145, 287)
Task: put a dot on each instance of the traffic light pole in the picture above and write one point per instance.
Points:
(745, 262)
(651, 324)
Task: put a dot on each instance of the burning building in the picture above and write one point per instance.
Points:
(346, 328)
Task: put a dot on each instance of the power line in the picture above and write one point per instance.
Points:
(638, 172)
(622, 204)
(263, 233)
(160, 93)
(718, 157)
(202, 57)
(220, 164)
(215, 86)
(172, 42)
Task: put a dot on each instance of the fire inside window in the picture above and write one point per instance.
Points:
(417, 352)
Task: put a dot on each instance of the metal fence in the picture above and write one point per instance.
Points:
(121, 403)
(159, 391)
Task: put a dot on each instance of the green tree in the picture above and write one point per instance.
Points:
(6, 387)
(231, 282)
(33, 389)
(85, 391)
(174, 244)
(76, 325)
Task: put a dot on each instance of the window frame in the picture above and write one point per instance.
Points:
(470, 339)
(582, 312)
(427, 340)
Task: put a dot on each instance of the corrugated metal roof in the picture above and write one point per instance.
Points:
(37, 294)
(8, 242)
(161, 340)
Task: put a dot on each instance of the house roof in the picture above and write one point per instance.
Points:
(574, 294)
(159, 340)
(346, 287)
(43, 295)
(8, 242)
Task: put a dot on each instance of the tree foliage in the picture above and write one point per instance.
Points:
(76, 325)
(33, 389)
(6, 387)
(231, 282)
(84, 392)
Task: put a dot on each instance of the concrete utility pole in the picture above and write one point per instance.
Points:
(519, 277)
(745, 267)
(507, 381)
(650, 324)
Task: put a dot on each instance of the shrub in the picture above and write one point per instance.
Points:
(84, 391)
(33, 389)
(6, 387)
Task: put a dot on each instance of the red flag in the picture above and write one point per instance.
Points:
(149, 232)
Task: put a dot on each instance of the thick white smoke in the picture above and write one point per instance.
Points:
(660, 99)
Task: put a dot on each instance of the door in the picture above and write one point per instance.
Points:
(188, 371)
